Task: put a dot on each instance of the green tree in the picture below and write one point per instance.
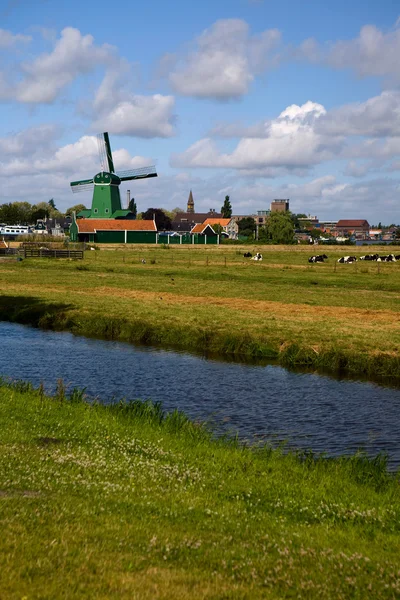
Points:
(315, 233)
(163, 222)
(51, 203)
(217, 228)
(76, 208)
(16, 213)
(132, 207)
(40, 212)
(280, 228)
(247, 226)
(226, 209)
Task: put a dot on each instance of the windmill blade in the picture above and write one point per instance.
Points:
(105, 154)
(82, 186)
(141, 173)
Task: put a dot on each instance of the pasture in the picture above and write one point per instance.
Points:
(122, 502)
(339, 317)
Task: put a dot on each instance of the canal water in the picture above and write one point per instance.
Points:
(267, 403)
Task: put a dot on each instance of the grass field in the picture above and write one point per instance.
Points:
(342, 318)
(122, 502)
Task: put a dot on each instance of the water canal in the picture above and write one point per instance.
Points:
(259, 402)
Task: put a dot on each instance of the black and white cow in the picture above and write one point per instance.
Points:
(317, 258)
(347, 259)
(370, 257)
(257, 256)
(388, 258)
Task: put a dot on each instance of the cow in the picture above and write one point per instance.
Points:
(388, 258)
(318, 258)
(247, 255)
(370, 257)
(257, 256)
(347, 259)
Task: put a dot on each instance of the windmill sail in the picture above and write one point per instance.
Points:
(105, 154)
(140, 173)
(82, 186)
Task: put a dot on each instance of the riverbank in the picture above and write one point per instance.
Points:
(327, 317)
(124, 502)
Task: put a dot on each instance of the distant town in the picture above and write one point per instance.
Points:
(78, 223)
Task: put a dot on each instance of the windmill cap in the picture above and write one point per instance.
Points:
(106, 178)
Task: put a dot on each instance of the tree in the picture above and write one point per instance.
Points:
(51, 203)
(280, 228)
(226, 209)
(132, 207)
(247, 226)
(172, 213)
(76, 208)
(163, 222)
(16, 213)
(217, 228)
(39, 212)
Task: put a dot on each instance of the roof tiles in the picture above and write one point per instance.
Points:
(93, 225)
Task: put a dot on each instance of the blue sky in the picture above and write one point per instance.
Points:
(250, 98)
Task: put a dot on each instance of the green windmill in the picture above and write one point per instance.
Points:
(106, 202)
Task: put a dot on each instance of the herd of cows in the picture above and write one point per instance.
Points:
(351, 259)
(320, 258)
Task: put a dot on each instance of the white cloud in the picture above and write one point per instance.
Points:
(8, 39)
(303, 136)
(43, 79)
(372, 53)
(142, 116)
(121, 112)
(31, 142)
(292, 143)
(377, 117)
(225, 61)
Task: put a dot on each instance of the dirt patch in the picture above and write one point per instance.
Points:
(365, 318)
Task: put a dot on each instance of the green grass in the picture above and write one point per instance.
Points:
(125, 502)
(327, 317)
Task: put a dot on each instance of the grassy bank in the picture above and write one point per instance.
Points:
(125, 502)
(331, 317)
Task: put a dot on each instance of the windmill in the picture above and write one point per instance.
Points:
(106, 202)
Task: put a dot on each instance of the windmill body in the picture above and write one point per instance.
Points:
(106, 202)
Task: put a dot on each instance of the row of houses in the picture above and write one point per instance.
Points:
(196, 228)
(358, 229)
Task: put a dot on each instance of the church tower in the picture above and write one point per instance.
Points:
(190, 204)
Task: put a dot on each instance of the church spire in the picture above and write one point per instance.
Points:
(190, 204)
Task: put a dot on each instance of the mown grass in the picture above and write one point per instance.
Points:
(331, 317)
(125, 502)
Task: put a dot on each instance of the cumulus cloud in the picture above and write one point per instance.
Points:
(225, 59)
(122, 112)
(42, 79)
(291, 142)
(30, 142)
(372, 53)
(377, 117)
(142, 116)
(8, 39)
(304, 136)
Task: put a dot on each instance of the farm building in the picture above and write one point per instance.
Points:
(129, 231)
(113, 231)
(357, 227)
